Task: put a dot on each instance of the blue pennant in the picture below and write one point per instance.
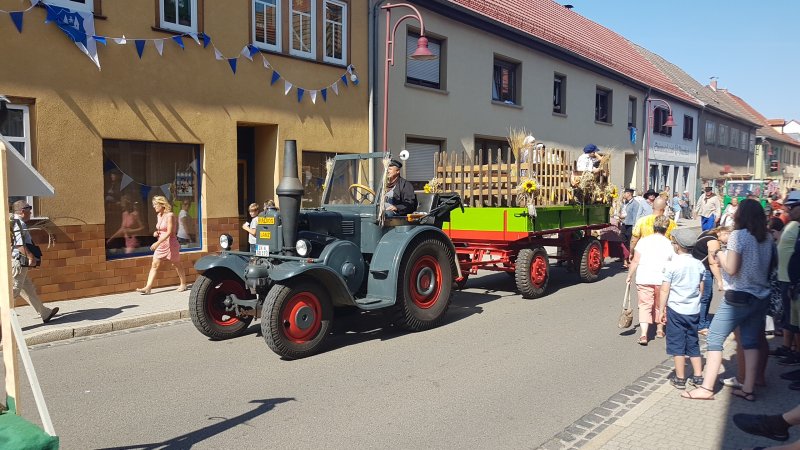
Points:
(100, 39)
(145, 191)
(300, 92)
(275, 77)
(179, 41)
(232, 62)
(324, 93)
(139, 46)
(355, 82)
(344, 79)
(206, 39)
(252, 49)
(52, 16)
(16, 17)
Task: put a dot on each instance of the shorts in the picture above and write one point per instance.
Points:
(682, 339)
(786, 319)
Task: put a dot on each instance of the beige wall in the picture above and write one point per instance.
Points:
(465, 109)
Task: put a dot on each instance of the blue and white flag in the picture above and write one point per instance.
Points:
(79, 26)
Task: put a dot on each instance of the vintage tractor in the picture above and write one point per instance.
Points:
(346, 253)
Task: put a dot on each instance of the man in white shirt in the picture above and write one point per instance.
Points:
(589, 160)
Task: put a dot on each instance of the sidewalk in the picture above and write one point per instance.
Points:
(96, 315)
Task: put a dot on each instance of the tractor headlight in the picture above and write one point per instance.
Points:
(226, 241)
(303, 247)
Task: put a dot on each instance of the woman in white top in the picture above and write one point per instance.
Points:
(727, 215)
(650, 257)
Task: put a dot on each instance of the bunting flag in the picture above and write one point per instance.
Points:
(232, 62)
(16, 17)
(121, 41)
(165, 187)
(335, 87)
(206, 39)
(145, 191)
(286, 87)
(159, 43)
(354, 79)
(300, 92)
(275, 77)
(126, 180)
(194, 36)
(266, 63)
(246, 52)
(79, 26)
(313, 97)
(324, 93)
(139, 46)
(179, 40)
(344, 79)
(218, 55)
(100, 39)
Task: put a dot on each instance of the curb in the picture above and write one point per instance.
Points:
(104, 326)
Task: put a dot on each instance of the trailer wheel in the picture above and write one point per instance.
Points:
(591, 260)
(532, 272)
(425, 288)
(296, 318)
(207, 307)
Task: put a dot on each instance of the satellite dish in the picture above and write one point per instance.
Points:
(404, 155)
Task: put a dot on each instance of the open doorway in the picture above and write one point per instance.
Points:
(256, 160)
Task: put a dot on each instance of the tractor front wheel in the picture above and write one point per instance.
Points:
(296, 318)
(532, 272)
(425, 286)
(208, 310)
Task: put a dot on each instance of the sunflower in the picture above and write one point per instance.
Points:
(529, 186)
(427, 188)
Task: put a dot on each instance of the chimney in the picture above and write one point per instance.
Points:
(714, 83)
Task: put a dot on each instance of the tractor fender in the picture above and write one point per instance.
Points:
(385, 266)
(330, 280)
(233, 262)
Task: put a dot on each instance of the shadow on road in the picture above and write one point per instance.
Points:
(190, 439)
(82, 315)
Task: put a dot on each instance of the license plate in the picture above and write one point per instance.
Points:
(262, 250)
(266, 221)
(265, 235)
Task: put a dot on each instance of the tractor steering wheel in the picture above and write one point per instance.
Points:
(361, 194)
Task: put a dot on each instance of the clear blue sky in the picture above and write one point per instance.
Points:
(753, 46)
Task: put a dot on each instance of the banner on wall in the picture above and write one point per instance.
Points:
(79, 26)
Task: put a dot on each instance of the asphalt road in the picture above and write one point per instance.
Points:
(503, 372)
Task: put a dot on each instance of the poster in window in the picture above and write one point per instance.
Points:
(184, 184)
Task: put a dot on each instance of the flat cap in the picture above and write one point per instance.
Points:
(685, 237)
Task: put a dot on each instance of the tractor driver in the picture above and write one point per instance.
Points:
(399, 197)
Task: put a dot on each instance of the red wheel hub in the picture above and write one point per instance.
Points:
(425, 282)
(215, 302)
(595, 259)
(302, 317)
(539, 271)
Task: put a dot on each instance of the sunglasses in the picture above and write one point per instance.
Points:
(27, 208)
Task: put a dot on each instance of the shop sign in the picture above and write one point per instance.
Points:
(670, 151)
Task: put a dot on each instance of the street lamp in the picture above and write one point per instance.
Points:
(669, 123)
(422, 53)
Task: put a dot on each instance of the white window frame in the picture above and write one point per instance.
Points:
(73, 5)
(278, 27)
(174, 26)
(26, 139)
(312, 54)
(325, 57)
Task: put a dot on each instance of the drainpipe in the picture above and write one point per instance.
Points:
(697, 160)
(373, 67)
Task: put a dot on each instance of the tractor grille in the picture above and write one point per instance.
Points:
(348, 227)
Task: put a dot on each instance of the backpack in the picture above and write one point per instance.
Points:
(33, 248)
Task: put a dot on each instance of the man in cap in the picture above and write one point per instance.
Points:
(686, 208)
(787, 246)
(709, 209)
(399, 197)
(589, 160)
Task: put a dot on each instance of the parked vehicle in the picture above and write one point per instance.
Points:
(759, 189)
(346, 253)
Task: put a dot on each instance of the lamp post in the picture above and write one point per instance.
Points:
(422, 53)
(650, 119)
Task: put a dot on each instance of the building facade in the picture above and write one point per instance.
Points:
(178, 110)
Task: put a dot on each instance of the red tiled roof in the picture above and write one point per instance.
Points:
(551, 22)
(766, 130)
(776, 122)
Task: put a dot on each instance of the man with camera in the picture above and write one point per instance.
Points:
(22, 259)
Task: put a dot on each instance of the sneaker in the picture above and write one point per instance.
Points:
(781, 352)
(731, 382)
(679, 383)
(761, 425)
(791, 360)
(49, 314)
(695, 381)
(791, 376)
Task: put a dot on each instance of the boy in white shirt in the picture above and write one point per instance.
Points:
(681, 291)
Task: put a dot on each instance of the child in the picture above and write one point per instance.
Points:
(681, 291)
(250, 226)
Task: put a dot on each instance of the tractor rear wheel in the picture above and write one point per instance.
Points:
(296, 318)
(425, 286)
(208, 310)
(532, 272)
(590, 260)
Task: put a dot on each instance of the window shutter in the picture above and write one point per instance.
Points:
(419, 165)
(422, 70)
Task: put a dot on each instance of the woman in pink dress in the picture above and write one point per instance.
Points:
(129, 226)
(166, 247)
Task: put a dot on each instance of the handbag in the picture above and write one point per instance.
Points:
(34, 249)
(739, 298)
(626, 316)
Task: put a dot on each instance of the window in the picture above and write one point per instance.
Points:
(179, 15)
(660, 116)
(267, 24)
(688, 128)
(17, 131)
(419, 167)
(734, 138)
(711, 132)
(134, 173)
(303, 35)
(424, 73)
(505, 82)
(313, 177)
(602, 105)
(335, 30)
(75, 5)
(723, 136)
(560, 94)
(494, 150)
(631, 112)
(744, 139)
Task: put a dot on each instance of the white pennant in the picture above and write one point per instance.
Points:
(335, 87)
(194, 36)
(313, 97)
(121, 41)
(218, 54)
(159, 43)
(165, 190)
(126, 180)
(286, 87)
(266, 63)
(246, 53)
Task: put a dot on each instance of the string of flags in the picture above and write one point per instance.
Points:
(144, 189)
(79, 26)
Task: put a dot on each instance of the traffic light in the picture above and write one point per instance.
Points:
(773, 165)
